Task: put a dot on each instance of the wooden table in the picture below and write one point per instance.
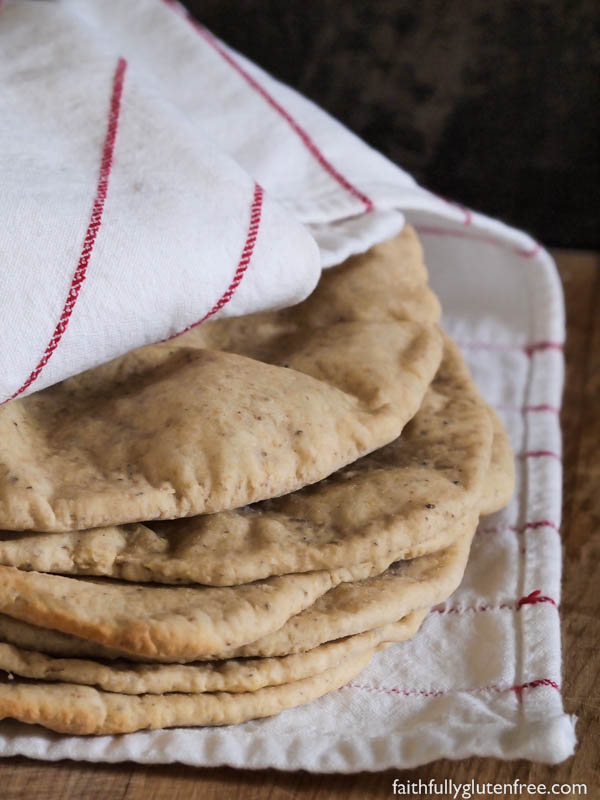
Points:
(21, 778)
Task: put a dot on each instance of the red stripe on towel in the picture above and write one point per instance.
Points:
(534, 525)
(536, 347)
(468, 216)
(536, 597)
(529, 253)
(541, 454)
(541, 407)
(302, 134)
(436, 230)
(95, 222)
(530, 599)
(539, 523)
(531, 409)
(528, 348)
(243, 264)
(518, 689)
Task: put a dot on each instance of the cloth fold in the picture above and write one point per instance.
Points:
(123, 223)
(483, 675)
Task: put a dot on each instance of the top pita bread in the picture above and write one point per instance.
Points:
(231, 413)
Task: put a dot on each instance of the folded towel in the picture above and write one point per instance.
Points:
(123, 223)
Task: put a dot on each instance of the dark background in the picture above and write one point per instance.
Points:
(493, 103)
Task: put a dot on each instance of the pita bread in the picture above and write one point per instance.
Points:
(45, 640)
(182, 623)
(144, 626)
(70, 708)
(395, 503)
(238, 675)
(360, 606)
(232, 412)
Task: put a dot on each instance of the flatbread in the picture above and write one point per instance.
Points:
(70, 708)
(231, 413)
(352, 608)
(171, 623)
(398, 502)
(101, 631)
(46, 640)
(237, 675)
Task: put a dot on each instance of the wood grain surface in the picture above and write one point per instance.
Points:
(22, 778)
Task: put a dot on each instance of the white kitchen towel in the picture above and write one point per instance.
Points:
(122, 222)
(483, 675)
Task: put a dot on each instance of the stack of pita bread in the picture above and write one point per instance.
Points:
(231, 523)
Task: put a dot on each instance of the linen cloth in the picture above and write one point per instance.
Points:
(482, 677)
